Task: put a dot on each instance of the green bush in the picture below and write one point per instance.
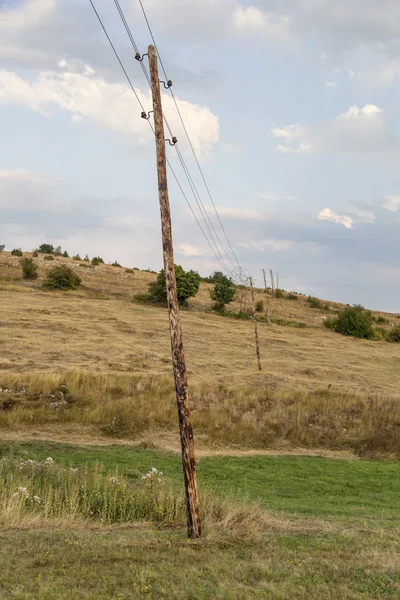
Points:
(97, 260)
(143, 298)
(46, 249)
(129, 271)
(214, 277)
(381, 319)
(115, 264)
(17, 252)
(187, 283)
(2, 247)
(62, 277)
(314, 302)
(259, 306)
(394, 334)
(65, 254)
(353, 321)
(279, 293)
(29, 268)
(35, 254)
(58, 251)
(223, 292)
(292, 296)
(49, 257)
(76, 257)
(87, 259)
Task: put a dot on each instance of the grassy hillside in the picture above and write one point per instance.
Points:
(290, 506)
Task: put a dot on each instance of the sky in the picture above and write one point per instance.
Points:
(292, 108)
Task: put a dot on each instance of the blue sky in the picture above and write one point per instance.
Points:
(292, 107)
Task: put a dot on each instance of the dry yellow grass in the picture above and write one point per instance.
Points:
(317, 388)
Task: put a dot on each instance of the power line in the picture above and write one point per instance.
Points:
(151, 127)
(197, 197)
(188, 137)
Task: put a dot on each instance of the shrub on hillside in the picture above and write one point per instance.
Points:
(279, 293)
(87, 259)
(58, 251)
(259, 306)
(314, 302)
(353, 321)
(292, 296)
(29, 268)
(49, 257)
(129, 271)
(17, 252)
(46, 249)
(187, 283)
(62, 277)
(2, 247)
(115, 264)
(35, 254)
(214, 277)
(394, 335)
(223, 292)
(65, 254)
(97, 260)
(76, 257)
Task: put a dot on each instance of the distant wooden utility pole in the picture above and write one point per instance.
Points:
(255, 325)
(178, 357)
(266, 297)
(272, 284)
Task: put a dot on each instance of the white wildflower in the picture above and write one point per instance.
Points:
(114, 480)
(74, 470)
(37, 499)
(23, 492)
(48, 461)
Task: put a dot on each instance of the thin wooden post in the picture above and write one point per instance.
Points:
(255, 325)
(266, 297)
(178, 357)
(272, 284)
(277, 281)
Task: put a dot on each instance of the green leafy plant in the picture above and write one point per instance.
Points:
(394, 335)
(58, 251)
(381, 319)
(259, 306)
(214, 277)
(49, 257)
(29, 268)
(2, 247)
(97, 260)
(223, 292)
(35, 254)
(76, 257)
(87, 259)
(314, 302)
(279, 293)
(65, 254)
(17, 252)
(115, 264)
(62, 277)
(46, 249)
(129, 271)
(187, 283)
(353, 321)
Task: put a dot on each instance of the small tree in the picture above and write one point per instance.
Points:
(65, 254)
(354, 321)
(259, 306)
(394, 335)
(62, 277)
(46, 249)
(223, 292)
(17, 252)
(2, 247)
(58, 251)
(187, 283)
(87, 259)
(76, 257)
(29, 268)
(97, 260)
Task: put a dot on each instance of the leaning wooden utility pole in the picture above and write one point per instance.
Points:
(255, 325)
(272, 284)
(178, 357)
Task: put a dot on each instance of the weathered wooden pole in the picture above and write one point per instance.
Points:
(178, 357)
(266, 297)
(272, 284)
(255, 325)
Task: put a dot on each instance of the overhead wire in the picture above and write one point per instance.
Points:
(151, 127)
(203, 211)
(188, 137)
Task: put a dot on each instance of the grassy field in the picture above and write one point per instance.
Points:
(292, 508)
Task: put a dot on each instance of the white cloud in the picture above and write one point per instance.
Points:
(331, 84)
(356, 130)
(391, 203)
(111, 105)
(21, 189)
(329, 215)
(188, 250)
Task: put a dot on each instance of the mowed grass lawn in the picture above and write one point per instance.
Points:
(334, 533)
